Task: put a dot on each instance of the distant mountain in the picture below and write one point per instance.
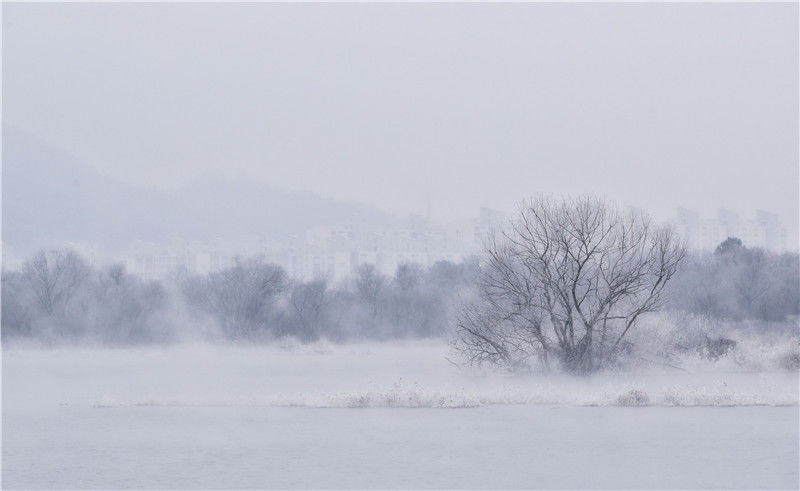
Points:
(51, 198)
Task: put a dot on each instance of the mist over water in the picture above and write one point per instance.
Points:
(230, 416)
(369, 375)
(400, 246)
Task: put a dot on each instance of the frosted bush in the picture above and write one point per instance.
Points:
(683, 341)
(634, 397)
(791, 359)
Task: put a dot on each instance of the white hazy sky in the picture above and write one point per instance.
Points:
(416, 108)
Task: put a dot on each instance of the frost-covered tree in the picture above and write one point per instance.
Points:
(55, 277)
(369, 283)
(566, 281)
(241, 298)
(308, 302)
(124, 309)
(58, 297)
(738, 283)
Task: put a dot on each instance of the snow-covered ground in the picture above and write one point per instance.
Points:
(383, 416)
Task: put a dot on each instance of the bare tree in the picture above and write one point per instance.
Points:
(308, 301)
(241, 297)
(408, 276)
(125, 309)
(567, 281)
(54, 277)
(736, 283)
(369, 283)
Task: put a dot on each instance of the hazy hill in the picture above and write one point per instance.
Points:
(51, 198)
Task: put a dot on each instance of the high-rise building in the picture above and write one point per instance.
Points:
(331, 252)
(765, 230)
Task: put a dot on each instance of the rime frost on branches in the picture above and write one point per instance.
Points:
(565, 282)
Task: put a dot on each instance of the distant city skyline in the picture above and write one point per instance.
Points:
(702, 233)
(334, 252)
(220, 218)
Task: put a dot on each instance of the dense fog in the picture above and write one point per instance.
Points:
(58, 298)
(400, 245)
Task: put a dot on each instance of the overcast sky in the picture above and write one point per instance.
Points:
(417, 108)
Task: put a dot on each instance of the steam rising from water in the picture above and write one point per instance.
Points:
(419, 397)
(365, 375)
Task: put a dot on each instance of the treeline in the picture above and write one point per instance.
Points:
(56, 297)
(254, 300)
(737, 283)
